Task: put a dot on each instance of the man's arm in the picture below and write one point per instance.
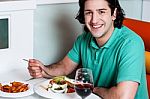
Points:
(124, 90)
(37, 69)
(64, 67)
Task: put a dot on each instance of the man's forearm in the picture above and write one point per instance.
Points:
(123, 90)
(63, 67)
(107, 93)
(55, 69)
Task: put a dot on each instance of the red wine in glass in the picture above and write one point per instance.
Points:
(84, 82)
(83, 90)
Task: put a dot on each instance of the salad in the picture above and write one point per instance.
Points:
(61, 84)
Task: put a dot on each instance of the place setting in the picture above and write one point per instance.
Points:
(60, 86)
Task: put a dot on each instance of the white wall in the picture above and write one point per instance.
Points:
(145, 12)
(20, 35)
(55, 30)
(132, 8)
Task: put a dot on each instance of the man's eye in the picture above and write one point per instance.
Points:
(101, 12)
(88, 13)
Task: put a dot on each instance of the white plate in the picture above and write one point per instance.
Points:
(40, 89)
(16, 95)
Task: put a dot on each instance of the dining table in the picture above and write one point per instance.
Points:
(23, 75)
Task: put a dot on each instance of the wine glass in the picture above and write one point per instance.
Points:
(83, 82)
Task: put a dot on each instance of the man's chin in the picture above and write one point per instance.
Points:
(97, 35)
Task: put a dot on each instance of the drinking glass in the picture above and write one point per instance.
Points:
(83, 82)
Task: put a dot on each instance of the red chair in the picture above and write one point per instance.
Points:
(142, 28)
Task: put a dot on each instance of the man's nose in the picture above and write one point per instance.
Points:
(95, 17)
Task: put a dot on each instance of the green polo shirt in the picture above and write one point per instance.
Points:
(120, 59)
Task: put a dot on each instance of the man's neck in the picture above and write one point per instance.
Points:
(102, 40)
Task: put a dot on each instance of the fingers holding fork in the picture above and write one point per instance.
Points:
(37, 69)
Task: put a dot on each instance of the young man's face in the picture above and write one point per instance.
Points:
(98, 18)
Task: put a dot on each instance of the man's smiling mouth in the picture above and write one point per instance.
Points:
(97, 26)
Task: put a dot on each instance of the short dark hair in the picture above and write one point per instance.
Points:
(112, 4)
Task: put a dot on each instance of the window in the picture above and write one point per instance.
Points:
(4, 33)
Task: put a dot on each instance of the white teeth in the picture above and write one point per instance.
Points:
(96, 26)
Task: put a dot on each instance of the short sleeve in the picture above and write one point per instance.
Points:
(132, 61)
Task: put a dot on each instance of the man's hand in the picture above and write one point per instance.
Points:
(36, 68)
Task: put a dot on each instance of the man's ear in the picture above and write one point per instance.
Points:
(114, 14)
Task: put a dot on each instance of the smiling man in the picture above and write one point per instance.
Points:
(113, 52)
(98, 20)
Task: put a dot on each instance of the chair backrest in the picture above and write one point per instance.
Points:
(143, 30)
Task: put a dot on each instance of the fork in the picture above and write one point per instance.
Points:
(25, 60)
(31, 77)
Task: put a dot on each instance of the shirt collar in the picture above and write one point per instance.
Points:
(108, 43)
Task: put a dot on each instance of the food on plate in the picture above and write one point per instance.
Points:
(61, 84)
(0, 86)
(14, 87)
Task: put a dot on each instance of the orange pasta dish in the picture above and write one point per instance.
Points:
(14, 87)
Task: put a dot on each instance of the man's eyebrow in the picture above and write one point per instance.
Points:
(87, 10)
(97, 9)
(102, 9)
